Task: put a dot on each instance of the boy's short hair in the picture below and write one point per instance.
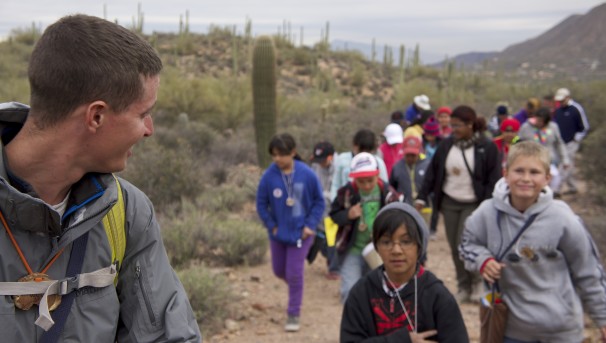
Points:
(530, 149)
(365, 140)
(81, 59)
(389, 221)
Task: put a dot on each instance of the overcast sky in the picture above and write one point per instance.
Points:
(440, 27)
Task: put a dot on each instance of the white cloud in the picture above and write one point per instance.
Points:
(441, 26)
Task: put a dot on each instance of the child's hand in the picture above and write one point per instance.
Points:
(354, 212)
(307, 232)
(492, 271)
(419, 337)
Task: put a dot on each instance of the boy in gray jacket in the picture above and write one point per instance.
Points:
(552, 258)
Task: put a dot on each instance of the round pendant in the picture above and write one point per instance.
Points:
(362, 227)
(456, 171)
(290, 202)
(25, 302)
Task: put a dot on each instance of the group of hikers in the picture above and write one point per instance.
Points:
(85, 246)
(375, 209)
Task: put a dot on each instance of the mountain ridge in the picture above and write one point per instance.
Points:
(576, 46)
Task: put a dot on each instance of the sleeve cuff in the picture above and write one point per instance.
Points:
(485, 262)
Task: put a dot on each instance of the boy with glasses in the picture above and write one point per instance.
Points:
(400, 300)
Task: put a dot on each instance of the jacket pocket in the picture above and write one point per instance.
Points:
(289, 234)
(8, 324)
(143, 292)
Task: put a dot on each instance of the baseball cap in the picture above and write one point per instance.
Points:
(444, 109)
(502, 110)
(510, 125)
(393, 134)
(363, 165)
(561, 94)
(412, 145)
(422, 101)
(321, 151)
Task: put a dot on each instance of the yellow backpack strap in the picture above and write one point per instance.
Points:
(115, 229)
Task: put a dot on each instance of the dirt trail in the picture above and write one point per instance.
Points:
(261, 310)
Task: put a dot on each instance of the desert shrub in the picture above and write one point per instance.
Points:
(592, 166)
(228, 151)
(235, 241)
(358, 75)
(210, 296)
(225, 197)
(181, 232)
(164, 174)
(301, 56)
(221, 103)
(26, 35)
(198, 136)
(13, 71)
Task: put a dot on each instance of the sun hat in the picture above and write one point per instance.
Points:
(422, 101)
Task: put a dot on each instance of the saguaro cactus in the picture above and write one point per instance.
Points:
(264, 96)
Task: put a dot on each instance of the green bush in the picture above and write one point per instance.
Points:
(245, 242)
(236, 241)
(210, 297)
(226, 197)
(164, 174)
(182, 233)
(197, 135)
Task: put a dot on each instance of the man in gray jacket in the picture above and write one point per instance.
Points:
(93, 86)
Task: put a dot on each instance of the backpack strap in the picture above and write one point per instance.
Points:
(115, 229)
(74, 266)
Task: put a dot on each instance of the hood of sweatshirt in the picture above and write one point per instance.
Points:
(421, 225)
(502, 202)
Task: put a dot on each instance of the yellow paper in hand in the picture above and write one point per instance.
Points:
(330, 228)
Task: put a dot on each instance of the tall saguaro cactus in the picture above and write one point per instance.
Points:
(264, 96)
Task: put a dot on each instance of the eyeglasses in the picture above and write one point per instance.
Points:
(406, 244)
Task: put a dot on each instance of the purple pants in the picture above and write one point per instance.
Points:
(288, 263)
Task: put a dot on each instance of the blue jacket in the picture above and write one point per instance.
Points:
(290, 220)
(572, 122)
(412, 113)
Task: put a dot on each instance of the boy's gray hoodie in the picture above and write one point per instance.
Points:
(556, 256)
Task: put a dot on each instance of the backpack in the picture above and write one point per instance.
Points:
(115, 229)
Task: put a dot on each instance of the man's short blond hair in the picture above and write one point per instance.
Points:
(529, 149)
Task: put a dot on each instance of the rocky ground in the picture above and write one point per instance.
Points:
(263, 299)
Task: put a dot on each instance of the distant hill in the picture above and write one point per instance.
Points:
(574, 47)
(470, 59)
(427, 57)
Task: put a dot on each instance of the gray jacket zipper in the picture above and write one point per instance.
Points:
(142, 288)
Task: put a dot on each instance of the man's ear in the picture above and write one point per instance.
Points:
(96, 115)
